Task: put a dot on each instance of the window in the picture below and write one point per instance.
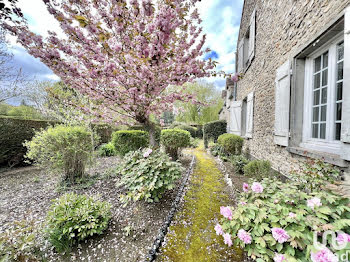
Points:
(323, 93)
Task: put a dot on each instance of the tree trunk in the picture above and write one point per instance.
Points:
(151, 129)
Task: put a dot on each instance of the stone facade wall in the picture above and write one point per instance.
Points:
(282, 28)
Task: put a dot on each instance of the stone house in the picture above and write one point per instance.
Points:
(293, 99)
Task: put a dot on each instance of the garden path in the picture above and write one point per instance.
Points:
(192, 236)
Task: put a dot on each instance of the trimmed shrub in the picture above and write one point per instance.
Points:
(158, 129)
(191, 129)
(13, 133)
(258, 169)
(231, 144)
(213, 130)
(73, 218)
(146, 174)
(62, 148)
(20, 242)
(106, 150)
(173, 139)
(239, 162)
(104, 132)
(125, 141)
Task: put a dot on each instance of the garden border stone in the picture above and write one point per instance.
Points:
(152, 253)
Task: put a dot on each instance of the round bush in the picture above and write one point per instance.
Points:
(213, 130)
(106, 150)
(157, 130)
(258, 169)
(146, 174)
(125, 141)
(193, 131)
(173, 139)
(231, 144)
(63, 148)
(73, 218)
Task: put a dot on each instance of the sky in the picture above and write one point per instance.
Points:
(221, 20)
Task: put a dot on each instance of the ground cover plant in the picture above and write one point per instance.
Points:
(72, 218)
(147, 174)
(278, 221)
(62, 148)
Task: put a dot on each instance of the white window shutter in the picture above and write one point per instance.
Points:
(236, 117)
(250, 115)
(240, 56)
(345, 131)
(282, 100)
(251, 50)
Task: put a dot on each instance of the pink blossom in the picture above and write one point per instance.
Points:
(219, 230)
(244, 236)
(280, 235)
(245, 187)
(324, 255)
(315, 201)
(257, 187)
(275, 201)
(226, 212)
(279, 258)
(235, 78)
(343, 238)
(242, 203)
(292, 215)
(227, 239)
(147, 153)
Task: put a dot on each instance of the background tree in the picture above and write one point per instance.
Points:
(209, 103)
(123, 54)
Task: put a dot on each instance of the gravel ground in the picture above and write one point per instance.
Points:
(26, 193)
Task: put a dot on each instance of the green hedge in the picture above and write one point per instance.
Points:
(158, 129)
(213, 130)
(192, 130)
(13, 133)
(231, 144)
(125, 141)
(173, 139)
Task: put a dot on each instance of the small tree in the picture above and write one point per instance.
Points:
(62, 148)
(123, 54)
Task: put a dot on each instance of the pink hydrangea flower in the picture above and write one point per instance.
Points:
(324, 255)
(279, 234)
(343, 238)
(147, 153)
(292, 215)
(279, 258)
(227, 239)
(244, 236)
(226, 212)
(219, 230)
(245, 187)
(314, 202)
(257, 187)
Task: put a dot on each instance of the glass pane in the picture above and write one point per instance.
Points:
(323, 113)
(317, 97)
(340, 91)
(315, 114)
(337, 131)
(315, 131)
(317, 81)
(317, 64)
(325, 77)
(322, 131)
(340, 71)
(324, 96)
(341, 51)
(325, 60)
(338, 111)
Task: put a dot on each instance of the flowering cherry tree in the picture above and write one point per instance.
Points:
(123, 54)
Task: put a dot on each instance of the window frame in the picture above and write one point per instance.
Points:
(329, 144)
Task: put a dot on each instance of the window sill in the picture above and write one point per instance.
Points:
(327, 157)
